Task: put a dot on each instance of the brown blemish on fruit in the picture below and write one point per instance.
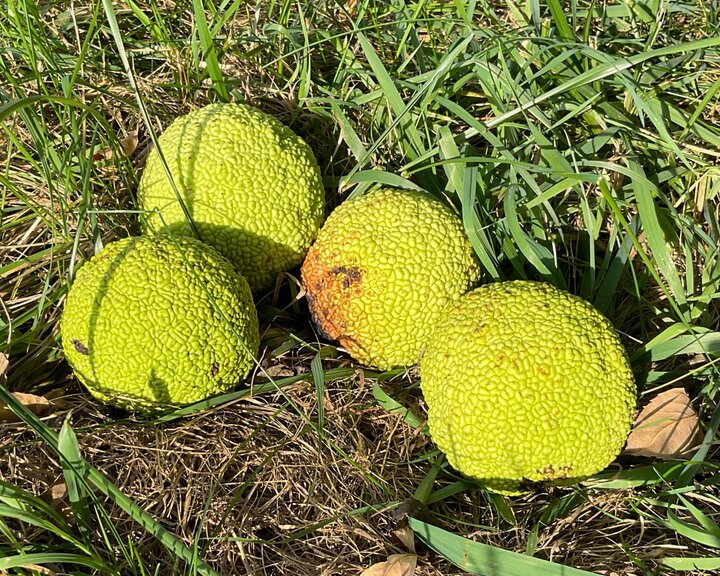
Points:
(215, 369)
(329, 291)
(350, 275)
(81, 348)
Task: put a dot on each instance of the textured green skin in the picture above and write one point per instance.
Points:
(527, 384)
(252, 187)
(148, 322)
(383, 268)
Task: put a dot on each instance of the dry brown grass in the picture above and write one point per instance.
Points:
(265, 493)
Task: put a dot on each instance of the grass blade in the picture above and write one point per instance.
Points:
(657, 241)
(319, 377)
(690, 531)
(42, 558)
(208, 49)
(462, 179)
(478, 558)
(168, 539)
(382, 177)
(74, 473)
(537, 255)
(603, 71)
(688, 564)
(393, 406)
(558, 15)
(663, 472)
(408, 129)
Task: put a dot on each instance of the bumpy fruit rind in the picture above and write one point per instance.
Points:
(383, 268)
(527, 385)
(152, 321)
(251, 186)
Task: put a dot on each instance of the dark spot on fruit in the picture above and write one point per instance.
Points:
(546, 470)
(552, 473)
(215, 369)
(80, 347)
(351, 275)
(354, 274)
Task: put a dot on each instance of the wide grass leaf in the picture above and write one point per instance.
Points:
(208, 49)
(393, 97)
(664, 472)
(692, 563)
(73, 467)
(395, 407)
(707, 343)
(42, 558)
(316, 368)
(479, 558)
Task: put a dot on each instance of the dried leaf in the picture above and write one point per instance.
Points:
(407, 537)
(57, 492)
(38, 405)
(56, 496)
(127, 144)
(395, 565)
(666, 428)
(278, 371)
(57, 396)
(4, 361)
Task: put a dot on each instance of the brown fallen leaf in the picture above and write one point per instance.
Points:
(56, 497)
(395, 565)
(57, 492)
(4, 361)
(407, 537)
(127, 144)
(38, 405)
(667, 427)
